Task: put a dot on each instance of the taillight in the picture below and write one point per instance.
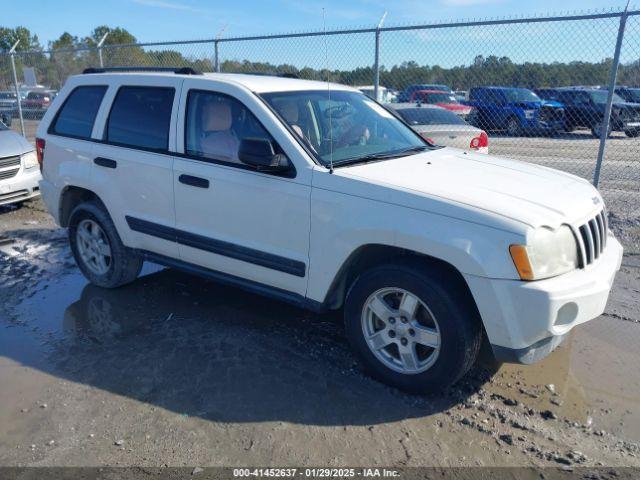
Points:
(481, 141)
(40, 143)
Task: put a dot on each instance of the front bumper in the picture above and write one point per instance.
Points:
(23, 186)
(525, 321)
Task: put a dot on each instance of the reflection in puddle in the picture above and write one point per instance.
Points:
(188, 344)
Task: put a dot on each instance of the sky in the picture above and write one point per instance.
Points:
(172, 20)
(156, 20)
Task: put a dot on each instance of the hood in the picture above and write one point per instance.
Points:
(527, 193)
(13, 144)
(626, 105)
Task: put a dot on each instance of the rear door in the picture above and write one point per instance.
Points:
(132, 167)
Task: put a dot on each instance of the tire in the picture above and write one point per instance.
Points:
(122, 265)
(456, 321)
(632, 133)
(513, 126)
(597, 127)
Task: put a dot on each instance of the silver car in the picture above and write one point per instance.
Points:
(19, 172)
(442, 127)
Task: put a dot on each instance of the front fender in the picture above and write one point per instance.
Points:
(342, 223)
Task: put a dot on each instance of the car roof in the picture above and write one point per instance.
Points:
(255, 82)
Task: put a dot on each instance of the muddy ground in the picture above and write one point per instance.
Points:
(175, 370)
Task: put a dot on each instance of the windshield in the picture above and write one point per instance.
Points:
(600, 96)
(633, 94)
(7, 95)
(521, 95)
(430, 116)
(347, 127)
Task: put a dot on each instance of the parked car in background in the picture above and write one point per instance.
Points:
(36, 103)
(8, 103)
(442, 127)
(516, 110)
(629, 94)
(19, 172)
(585, 107)
(442, 99)
(461, 95)
(405, 95)
(385, 95)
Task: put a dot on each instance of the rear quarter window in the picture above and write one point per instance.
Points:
(140, 117)
(78, 113)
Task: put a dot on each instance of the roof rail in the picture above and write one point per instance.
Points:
(177, 70)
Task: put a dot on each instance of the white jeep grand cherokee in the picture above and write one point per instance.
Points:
(319, 196)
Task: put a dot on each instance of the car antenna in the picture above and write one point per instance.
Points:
(326, 51)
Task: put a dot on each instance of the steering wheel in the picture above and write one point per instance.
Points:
(356, 135)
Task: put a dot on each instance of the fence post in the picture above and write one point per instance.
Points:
(376, 63)
(604, 128)
(216, 58)
(104, 37)
(17, 86)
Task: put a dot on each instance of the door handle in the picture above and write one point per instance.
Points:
(194, 181)
(105, 162)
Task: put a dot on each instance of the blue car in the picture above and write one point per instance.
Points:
(517, 110)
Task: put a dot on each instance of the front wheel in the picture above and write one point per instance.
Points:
(412, 329)
(632, 133)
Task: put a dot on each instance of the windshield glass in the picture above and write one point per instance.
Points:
(521, 95)
(600, 96)
(429, 116)
(7, 95)
(633, 94)
(348, 127)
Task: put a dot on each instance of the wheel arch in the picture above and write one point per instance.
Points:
(372, 255)
(70, 198)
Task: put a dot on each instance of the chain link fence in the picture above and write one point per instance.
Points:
(539, 87)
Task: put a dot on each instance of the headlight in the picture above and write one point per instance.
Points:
(549, 253)
(30, 160)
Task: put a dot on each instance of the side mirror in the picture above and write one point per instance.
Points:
(259, 152)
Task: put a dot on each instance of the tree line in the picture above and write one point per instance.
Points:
(53, 68)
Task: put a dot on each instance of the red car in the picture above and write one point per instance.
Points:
(37, 103)
(442, 99)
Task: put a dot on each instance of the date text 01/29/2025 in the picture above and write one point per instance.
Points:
(315, 472)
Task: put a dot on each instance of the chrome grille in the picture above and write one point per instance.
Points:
(10, 161)
(4, 174)
(592, 239)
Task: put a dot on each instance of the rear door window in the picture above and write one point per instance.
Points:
(78, 113)
(140, 117)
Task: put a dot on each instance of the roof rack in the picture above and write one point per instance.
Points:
(177, 70)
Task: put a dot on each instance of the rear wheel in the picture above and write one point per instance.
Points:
(97, 247)
(412, 329)
(513, 126)
(596, 130)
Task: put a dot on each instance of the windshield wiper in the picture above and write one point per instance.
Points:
(383, 156)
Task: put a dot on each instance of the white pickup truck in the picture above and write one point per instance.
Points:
(317, 195)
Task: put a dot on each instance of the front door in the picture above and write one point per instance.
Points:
(230, 217)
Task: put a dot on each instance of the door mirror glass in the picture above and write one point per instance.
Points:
(260, 153)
